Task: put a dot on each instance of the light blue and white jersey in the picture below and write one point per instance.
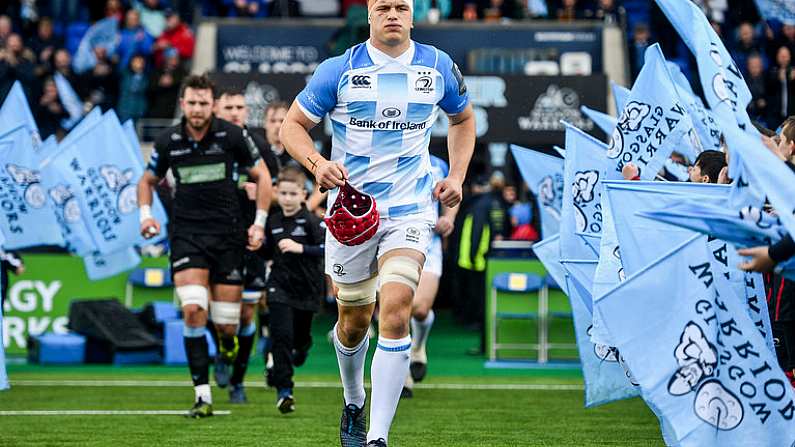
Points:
(382, 110)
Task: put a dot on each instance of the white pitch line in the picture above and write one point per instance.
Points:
(102, 413)
(180, 383)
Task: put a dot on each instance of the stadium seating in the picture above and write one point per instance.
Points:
(524, 284)
(150, 278)
(57, 349)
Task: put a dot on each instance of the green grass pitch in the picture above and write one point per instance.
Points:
(461, 403)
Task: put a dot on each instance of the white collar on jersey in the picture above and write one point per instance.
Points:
(379, 57)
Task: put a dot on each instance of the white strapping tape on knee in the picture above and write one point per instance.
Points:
(401, 269)
(193, 294)
(361, 293)
(223, 312)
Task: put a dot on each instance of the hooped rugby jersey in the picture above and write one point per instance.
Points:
(382, 110)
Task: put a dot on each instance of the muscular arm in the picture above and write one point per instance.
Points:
(461, 143)
(294, 134)
(261, 175)
(145, 186)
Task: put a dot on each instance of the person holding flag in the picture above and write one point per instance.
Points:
(382, 97)
(208, 235)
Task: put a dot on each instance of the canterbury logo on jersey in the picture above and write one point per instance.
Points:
(361, 81)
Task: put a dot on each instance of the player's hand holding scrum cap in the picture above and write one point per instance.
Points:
(353, 218)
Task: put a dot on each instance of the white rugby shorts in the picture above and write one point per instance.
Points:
(350, 265)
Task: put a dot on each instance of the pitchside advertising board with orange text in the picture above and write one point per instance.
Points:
(38, 301)
(524, 110)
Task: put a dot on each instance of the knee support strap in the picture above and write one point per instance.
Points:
(222, 312)
(403, 270)
(361, 293)
(193, 294)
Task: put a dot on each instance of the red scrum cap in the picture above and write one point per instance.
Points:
(353, 218)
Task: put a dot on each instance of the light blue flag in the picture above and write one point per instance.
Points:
(64, 196)
(705, 125)
(749, 227)
(593, 241)
(609, 270)
(548, 252)
(99, 266)
(780, 10)
(70, 100)
(764, 171)
(605, 380)
(605, 122)
(27, 219)
(158, 210)
(701, 364)
(630, 201)
(580, 211)
(3, 376)
(620, 96)
(104, 33)
(544, 175)
(642, 240)
(653, 123)
(644, 246)
(106, 180)
(722, 82)
(747, 286)
(16, 110)
(88, 121)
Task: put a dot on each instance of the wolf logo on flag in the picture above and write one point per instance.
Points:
(698, 360)
(631, 119)
(65, 199)
(31, 180)
(120, 182)
(549, 189)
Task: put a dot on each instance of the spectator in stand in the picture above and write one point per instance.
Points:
(609, 12)
(746, 45)
(134, 39)
(431, 10)
(755, 78)
(17, 63)
(49, 112)
(786, 38)
(537, 9)
(62, 63)
(637, 49)
(101, 82)
(502, 9)
(323, 8)
(284, 8)
(177, 35)
(6, 28)
(245, 8)
(164, 86)
(43, 45)
(569, 11)
(132, 95)
(114, 8)
(781, 95)
(153, 17)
